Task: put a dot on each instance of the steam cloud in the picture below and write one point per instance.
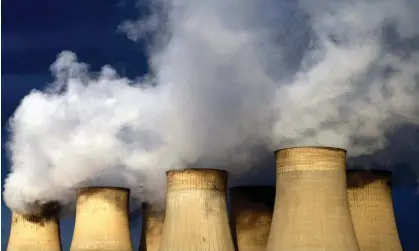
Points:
(229, 79)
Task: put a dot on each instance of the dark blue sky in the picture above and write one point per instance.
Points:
(34, 32)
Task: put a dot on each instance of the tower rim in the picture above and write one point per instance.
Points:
(337, 149)
(196, 169)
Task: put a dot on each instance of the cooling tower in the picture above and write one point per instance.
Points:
(196, 212)
(35, 232)
(371, 206)
(251, 211)
(311, 206)
(102, 220)
(153, 221)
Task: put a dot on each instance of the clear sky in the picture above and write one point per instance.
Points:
(34, 32)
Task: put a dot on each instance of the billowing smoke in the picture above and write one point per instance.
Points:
(229, 81)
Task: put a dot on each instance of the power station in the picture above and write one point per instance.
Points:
(102, 220)
(35, 232)
(311, 207)
(316, 205)
(196, 212)
(371, 206)
(251, 211)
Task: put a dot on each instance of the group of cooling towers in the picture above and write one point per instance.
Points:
(317, 205)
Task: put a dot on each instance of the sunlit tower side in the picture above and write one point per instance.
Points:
(311, 206)
(196, 211)
(102, 222)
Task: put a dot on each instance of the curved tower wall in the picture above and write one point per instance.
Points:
(311, 207)
(371, 206)
(196, 212)
(152, 228)
(34, 232)
(102, 220)
(251, 215)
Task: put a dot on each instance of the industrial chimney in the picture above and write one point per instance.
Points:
(35, 232)
(371, 206)
(251, 211)
(311, 206)
(196, 212)
(102, 220)
(153, 221)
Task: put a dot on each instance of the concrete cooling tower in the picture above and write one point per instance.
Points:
(35, 232)
(371, 206)
(102, 220)
(251, 211)
(311, 206)
(152, 228)
(196, 212)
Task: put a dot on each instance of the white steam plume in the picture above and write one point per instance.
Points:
(229, 79)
